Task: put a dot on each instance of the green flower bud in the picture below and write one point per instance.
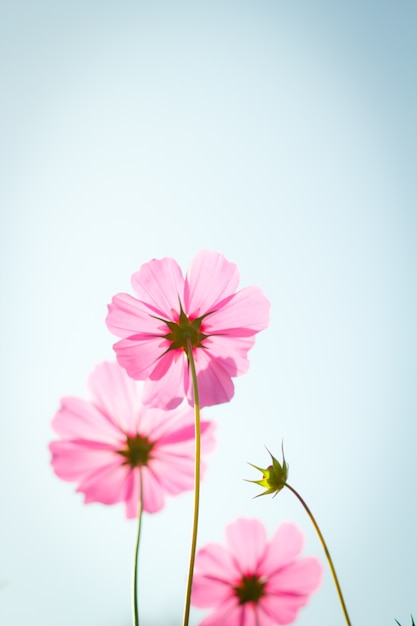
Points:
(274, 476)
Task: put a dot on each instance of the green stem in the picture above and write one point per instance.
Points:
(135, 566)
(326, 551)
(196, 483)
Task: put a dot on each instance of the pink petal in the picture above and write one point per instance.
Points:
(209, 592)
(214, 584)
(79, 419)
(139, 357)
(284, 547)
(213, 562)
(247, 311)
(182, 438)
(228, 613)
(264, 619)
(160, 423)
(215, 385)
(300, 577)
(174, 475)
(230, 351)
(72, 461)
(132, 494)
(210, 279)
(180, 435)
(153, 498)
(116, 395)
(246, 540)
(173, 461)
(282, 610)
(127, 316)
(160, 283)
(249, 615)
(168, 392)
(106, 485)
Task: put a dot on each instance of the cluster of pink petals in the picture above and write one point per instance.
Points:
(92, 433)
(231, 320)
(287, 580)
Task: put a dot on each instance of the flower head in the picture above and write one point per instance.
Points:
(253, 581)
(105, 442)
(274, 477)
(171, 315)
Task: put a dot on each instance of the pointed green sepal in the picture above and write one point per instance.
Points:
(274, 476)
(412, 622)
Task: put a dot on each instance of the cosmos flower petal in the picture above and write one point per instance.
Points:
(209, 592)
(127, 317)
(132, 494)
(210, 279)
(181, 456)
(106, 485)
(226, 614)
(74, 460)
(246, 312)
(283, 609)
(232, 354)
(116, 395)
(153, 500)
(285, 545)
(304, 575)
(163, 423)
(140, 356)
(263, 616)
(181, 480)
(215, 385)
(78, 418)
(246, 539)
(248, 615)
(171, 393)
(185, 435)
(160, 283)
(216, 563)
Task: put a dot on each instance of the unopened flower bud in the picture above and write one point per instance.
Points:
(274, 476)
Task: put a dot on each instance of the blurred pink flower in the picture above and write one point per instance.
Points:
(205, 307)
(104, 443)
(252, 582)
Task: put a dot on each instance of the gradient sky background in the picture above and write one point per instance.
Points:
(282, 134)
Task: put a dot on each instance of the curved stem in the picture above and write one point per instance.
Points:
(135, 566)
(326, 551)
(196, 483)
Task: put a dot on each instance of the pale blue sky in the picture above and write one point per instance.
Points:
(283, 135)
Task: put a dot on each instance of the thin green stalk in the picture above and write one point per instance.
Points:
(196, 483)
(326, 551)
(135, 566)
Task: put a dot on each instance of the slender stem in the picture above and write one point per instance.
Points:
(326, 550)
(135, 566)
(196, 483)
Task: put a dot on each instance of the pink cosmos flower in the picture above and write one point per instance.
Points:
(105, 443)
(253, 582)
(168, 311)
